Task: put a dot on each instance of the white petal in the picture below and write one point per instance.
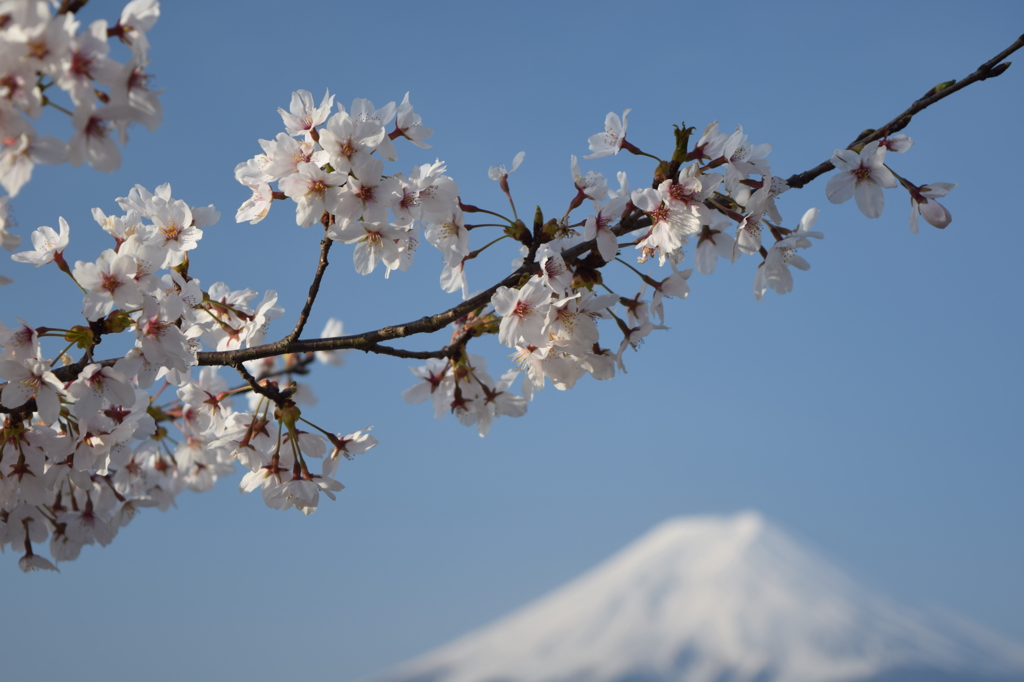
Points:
(869, 199)
(840, 187)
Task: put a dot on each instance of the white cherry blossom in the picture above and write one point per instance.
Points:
(498, 173)
(523, 313)
(923, 202)
(31, 378)
(313, 191)
(774, 272)
(92, 143)
(346, 139)
(593, 185)
(410, 126)
(18, 159)
(449, 236)
(610, 141)
(303, 116)
(861, 175)
(375, 243)
(47, 244)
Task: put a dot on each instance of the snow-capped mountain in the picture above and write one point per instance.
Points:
(718, 599)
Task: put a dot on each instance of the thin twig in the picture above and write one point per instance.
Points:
(989, 69)
(402, 353)
(71, 6)
(301, 366)
(268, 390)
(314, 289)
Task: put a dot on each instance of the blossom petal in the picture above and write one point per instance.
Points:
(840, 188)
(869, 199)
(936, 214)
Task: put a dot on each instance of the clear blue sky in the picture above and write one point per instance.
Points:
(874, 411)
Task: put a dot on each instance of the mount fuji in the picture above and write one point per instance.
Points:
(719, 599)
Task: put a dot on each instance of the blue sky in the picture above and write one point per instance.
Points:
(874, 411)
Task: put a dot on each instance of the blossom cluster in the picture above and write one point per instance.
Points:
(85, 445)
(549, 318)
(85, 453)
(332, 166)
(41, 51)
(863, 174)
(337, 172)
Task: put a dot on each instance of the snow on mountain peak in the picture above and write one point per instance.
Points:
(711, 598)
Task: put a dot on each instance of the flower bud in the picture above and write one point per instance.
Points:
(81, 337)
(117, 322)
(997, 70)
(488, 324)
(289, 413)
(519, 232)
(682, 142)
(939, 88)
(552, 230)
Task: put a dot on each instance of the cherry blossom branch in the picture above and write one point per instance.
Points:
(314, 289)
(451, 351)
(990, 69)
(84, 411)
(368, 341)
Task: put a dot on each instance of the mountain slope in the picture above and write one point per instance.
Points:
(716, 599)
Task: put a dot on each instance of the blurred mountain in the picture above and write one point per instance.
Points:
(719, 599)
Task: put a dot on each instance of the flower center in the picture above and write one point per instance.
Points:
(156, 328)
(660, 214)
(138, 81)
(317, 187)
(522, 310)
(365, 194)
(96, 127)
(81, 64)
(111, 283)
(38, 49)
(172, 231)
(347, 148)
(373, 241)
(682, 194)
